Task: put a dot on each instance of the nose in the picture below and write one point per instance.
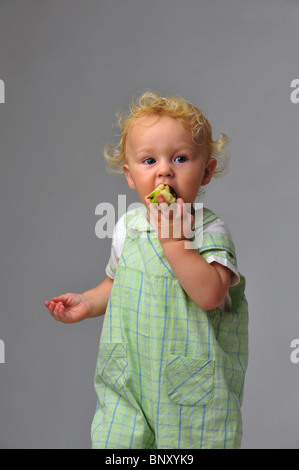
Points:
(165, 168)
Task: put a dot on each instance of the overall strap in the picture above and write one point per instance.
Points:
(208, 216)
(215, 241)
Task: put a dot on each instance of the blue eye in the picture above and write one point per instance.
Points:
(149, 161)
(180, 159)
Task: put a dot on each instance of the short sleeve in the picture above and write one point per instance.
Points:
(217, 246)
(118, 240)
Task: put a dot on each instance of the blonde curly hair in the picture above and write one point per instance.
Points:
(152, 104)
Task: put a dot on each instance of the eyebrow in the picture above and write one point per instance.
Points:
(178, 148)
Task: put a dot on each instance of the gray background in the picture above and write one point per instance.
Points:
(68, 65)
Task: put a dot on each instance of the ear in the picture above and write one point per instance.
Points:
(209, 170)
(127, 173)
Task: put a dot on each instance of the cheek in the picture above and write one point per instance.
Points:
(191, 187)
(193, 179)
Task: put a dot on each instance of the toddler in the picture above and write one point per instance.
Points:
(173, 349)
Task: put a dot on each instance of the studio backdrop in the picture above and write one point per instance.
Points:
(66, 67)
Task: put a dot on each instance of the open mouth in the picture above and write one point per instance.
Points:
(172, 192)
(167, 192)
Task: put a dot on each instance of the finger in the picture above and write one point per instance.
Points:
(180, 202)
(161, 198)
(163, 205)
(53, 309)
(183, 208)
(51, 306)
(61, 298)
(154, 215)
(154, 209)
(147, 201)
(58, 311)
(176, 207)
(187, 222)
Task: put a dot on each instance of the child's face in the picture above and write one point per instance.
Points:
(161, 150)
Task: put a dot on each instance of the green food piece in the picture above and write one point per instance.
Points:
(166, 191)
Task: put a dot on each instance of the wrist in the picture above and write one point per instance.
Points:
(87, 298)
(171, 244)
(173, 250)
(97, 299)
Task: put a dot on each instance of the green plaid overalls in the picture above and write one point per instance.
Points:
(169, 374)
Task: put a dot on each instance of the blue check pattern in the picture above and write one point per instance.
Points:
(169, 374)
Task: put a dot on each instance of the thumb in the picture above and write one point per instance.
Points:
(64, 298)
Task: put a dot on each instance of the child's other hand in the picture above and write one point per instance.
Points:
(69, 308)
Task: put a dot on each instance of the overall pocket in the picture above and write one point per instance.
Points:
(112, 365)
(189, 381)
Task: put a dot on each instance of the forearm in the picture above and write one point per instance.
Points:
(200, 280)
(98, 297)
